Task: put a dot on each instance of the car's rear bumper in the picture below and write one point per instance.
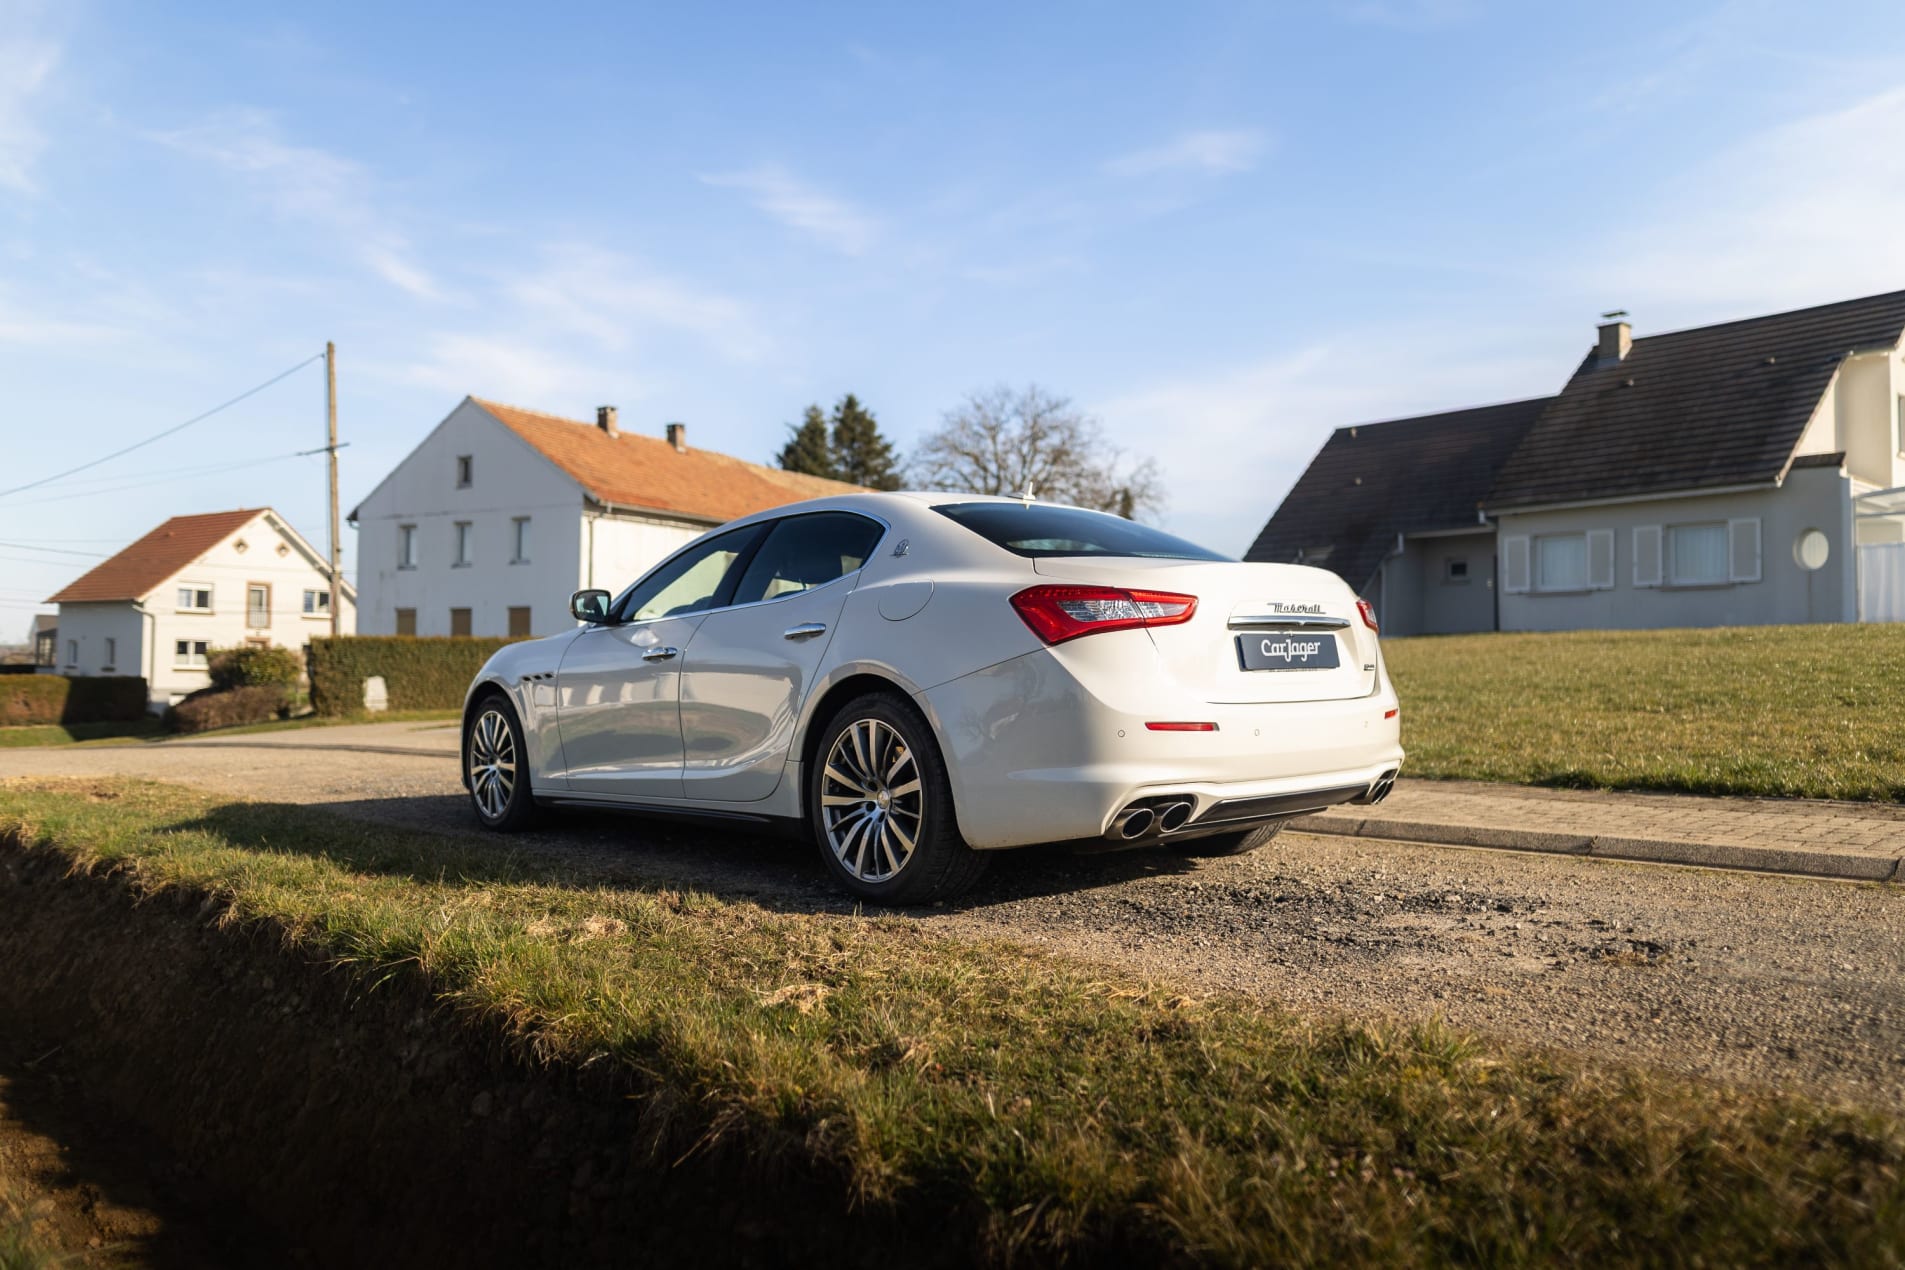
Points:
(1034, 756)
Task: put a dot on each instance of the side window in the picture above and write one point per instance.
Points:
(691, 582)
(804, 552)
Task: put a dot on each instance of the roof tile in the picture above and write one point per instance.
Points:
(631, 470)
(147, 563)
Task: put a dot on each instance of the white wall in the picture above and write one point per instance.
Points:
(84, 630)
(617, 549)
(1858, 414)
(1812, 498)
(508, 479)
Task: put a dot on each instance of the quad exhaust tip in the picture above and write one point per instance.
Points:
(1151, 818)
(1133, 822)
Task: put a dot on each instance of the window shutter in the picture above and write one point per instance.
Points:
(1515, 565)
(1600, 548)
(1742, 538)
(1647, 555)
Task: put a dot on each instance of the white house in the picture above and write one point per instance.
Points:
(500, 514)
(1746, 473)
(159, 608)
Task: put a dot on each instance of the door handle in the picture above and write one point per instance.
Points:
(660, 654)
(806, 630)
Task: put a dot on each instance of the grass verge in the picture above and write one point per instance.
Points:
(1779, 711)
(94, 734)
(1073, 1112)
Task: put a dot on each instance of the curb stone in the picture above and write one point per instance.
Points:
(1810, 861)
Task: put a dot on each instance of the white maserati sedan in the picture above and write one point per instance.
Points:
(922, 679)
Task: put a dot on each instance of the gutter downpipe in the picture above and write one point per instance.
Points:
(149, 636)
(1494, 569)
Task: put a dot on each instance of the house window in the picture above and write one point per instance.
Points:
(1561, 562)
(112, 653)
(317, 603)
(406, 621)
(1454, 569)
(462, 543)
(195, 599)
(1901, 424)
(258, 605)
(1696, 555)
(190, 654)
(459, 622)
(406, 546)
(46, 648)
(519, 538)
(72, 652)
(465, 469)
(518, 620)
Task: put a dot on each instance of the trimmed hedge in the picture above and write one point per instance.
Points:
(225, 708)
(28, 699)
(248, 667)
(430, 672)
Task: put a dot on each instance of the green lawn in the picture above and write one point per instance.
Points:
(1064, 1109)
(1787, 711)
(151, 730)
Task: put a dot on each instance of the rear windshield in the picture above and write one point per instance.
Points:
(1037, 530)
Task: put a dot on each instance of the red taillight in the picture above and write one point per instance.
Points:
(1181, 727)
(1368, 611)
(1059, 613)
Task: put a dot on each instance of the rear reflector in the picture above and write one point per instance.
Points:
(1182, 727)
(1059, 613)
(1390, 714)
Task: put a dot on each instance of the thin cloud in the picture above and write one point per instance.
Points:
(832, 221)
(26, 67)
(306, 184)
(1801, 213)
(613, 300)
(1214, 151)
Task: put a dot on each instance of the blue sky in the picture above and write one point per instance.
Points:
(1223, 229)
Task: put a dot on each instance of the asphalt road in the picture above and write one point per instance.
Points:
(1745, 978)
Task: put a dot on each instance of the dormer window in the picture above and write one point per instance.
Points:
(465, 470)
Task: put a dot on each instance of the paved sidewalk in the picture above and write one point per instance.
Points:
(1856, 841)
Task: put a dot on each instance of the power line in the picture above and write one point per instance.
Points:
(160, 436)
(57, 551)
(147, 483)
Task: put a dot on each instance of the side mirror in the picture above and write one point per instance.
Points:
(590, 606)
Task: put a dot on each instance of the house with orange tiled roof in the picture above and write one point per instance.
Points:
(501, 513)
(159, 608)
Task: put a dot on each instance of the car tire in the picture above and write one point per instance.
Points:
(496, 767)
(1242, 842)
(876, 782)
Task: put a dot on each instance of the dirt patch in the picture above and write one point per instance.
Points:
(352, 1128)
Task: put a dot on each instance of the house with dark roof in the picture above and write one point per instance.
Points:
(501, 513)
(158, 608)
(1744, 473)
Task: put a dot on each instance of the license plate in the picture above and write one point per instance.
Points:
(1287, 650)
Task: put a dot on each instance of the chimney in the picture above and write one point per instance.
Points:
(1616, 337)
(678, 437)
(605, 420)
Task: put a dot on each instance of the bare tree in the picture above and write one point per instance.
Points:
(1005, 441)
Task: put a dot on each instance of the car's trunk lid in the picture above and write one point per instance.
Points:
(1302, 625)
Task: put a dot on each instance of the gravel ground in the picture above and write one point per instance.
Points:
(1745, 978)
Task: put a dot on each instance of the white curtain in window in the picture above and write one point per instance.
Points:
(1697, 554)
(1561, 563)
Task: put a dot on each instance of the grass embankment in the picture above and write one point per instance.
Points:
(153, 730)
(1075, 1112)
(1781, 711)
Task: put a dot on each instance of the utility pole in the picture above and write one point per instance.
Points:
(330, 414)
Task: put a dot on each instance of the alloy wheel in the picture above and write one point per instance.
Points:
(872, 804)
(492, 764)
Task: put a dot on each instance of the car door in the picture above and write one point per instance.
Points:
(750, 666)
(618, 690)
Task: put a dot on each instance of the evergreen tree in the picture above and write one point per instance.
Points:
(808, 449)
(860, 454)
